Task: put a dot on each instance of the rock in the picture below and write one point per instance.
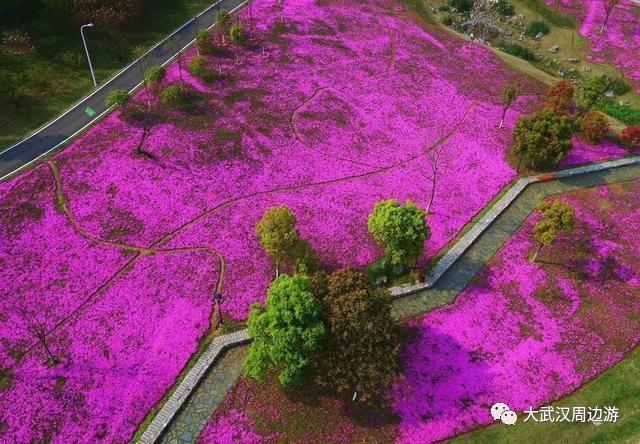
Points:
(538, 36)
(561, 74)
(554, 48)
(509, 33)
(573, 59)
(609, 94)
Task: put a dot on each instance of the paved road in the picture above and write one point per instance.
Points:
(56, 133)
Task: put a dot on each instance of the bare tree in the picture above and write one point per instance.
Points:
(437, 161)
(38, 318)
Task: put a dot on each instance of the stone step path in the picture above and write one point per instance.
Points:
(180, 422)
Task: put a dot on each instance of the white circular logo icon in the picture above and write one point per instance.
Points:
(500, 411)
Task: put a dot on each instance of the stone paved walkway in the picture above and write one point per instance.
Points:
(191, 419)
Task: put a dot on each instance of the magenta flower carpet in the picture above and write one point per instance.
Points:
(110, 259)
(526, 334)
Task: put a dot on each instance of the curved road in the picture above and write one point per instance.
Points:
(75, 120)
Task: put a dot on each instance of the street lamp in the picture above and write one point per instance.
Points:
(90, 25)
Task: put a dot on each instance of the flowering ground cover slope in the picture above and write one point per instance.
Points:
(526, 334)
(112, 256)
(521, 333)
(619, 44)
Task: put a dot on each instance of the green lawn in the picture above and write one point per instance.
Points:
(56, 75)
(618, 386)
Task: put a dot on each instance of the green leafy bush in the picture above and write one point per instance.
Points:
(503, 7)
(618, 85)
(155, 74)
(199, 67)
(447, 20)
(117, 98)
(461, 5)
(624, 113)
(174, 96)
(204, 42)
(516, 50)
(536, 27)
(237, 34)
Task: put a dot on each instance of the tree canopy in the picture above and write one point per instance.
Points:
(363, 346)
(591, 91)
(280, 239)
(560, 96)
(288, 334)
(401, 229)
(542, 139)
(557, 216)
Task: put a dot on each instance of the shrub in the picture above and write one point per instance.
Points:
(461, 5)
(591, 92)
(204, 42)
(618, 85)
(535, 28)
(503, 7)
(155, 74)
(237, 34)
(447, 20)
(630, 136)
(199, 67)
(72, 59)
(624, 113)
(594, 127)
(174, 96)
(117, 98)
(516, 50)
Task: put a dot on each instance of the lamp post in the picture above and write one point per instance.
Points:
(90, 25)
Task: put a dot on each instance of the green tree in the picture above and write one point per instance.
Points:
(155, 73)
(509, 95)
(542, 139)
(280, 239)
(236, 32)
(361, 355)
(401, 229)
(204, 42)
(591, 91)
(117, 98)
(556, 217)
(223, 19)
(288, 334)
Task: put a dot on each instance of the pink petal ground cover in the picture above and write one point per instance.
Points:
(526, 334)
(328, 112)
(619, 44)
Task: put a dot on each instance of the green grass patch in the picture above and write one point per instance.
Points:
(624, 113)
(619, 386)
(551, 15)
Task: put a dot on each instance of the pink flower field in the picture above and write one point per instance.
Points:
(526, 334)
(619, 44)
(113, 257)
